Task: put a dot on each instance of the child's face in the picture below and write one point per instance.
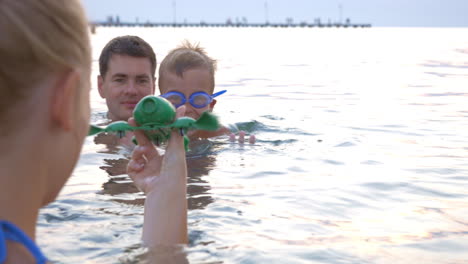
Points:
(194, 80)
(127, 80)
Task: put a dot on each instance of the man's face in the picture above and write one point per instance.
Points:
(128, 79)
(194, 80)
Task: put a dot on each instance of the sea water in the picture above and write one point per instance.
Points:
(361, 157)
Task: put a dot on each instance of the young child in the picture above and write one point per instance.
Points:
(46, 117)
(186, 77)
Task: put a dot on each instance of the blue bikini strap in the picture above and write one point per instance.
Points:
(9, 231)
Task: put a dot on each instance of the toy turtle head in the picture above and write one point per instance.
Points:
(154, 110)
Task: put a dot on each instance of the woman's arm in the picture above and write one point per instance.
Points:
(164, 180)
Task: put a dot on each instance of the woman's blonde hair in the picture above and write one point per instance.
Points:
(39, 37)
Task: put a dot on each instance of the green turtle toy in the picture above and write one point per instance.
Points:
(156, 116)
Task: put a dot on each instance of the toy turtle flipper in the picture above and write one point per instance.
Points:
(93, 130)
(183, 123)
(119, 127)
(207, 121)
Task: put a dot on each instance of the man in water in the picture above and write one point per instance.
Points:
(127, 67)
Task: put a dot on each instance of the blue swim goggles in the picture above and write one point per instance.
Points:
(197, 99)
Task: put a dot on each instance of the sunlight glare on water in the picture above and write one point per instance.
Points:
(361, 154)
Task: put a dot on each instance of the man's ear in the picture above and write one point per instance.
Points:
(63, 100)
(212, 104)
(100, 85)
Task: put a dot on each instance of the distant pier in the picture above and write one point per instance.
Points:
(232, 25)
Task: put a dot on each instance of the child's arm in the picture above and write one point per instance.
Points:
(222, 131)
(164, 180)
(195, 134)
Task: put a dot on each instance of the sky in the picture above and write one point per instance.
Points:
(386, 13)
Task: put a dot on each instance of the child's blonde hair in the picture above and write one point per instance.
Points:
(186, 57)
(39, 37)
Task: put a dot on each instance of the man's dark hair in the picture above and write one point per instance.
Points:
(126, 45)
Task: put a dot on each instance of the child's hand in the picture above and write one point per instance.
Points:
(232, 137)
(148, 169)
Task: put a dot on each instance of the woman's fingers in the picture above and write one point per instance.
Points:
(150, 151)
(180, 112)
(176, 137)
(139, 135)
(138, 153)
(137, 161)
(174, 158)
(134, 167)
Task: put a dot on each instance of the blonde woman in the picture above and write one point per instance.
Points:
(44, 114)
